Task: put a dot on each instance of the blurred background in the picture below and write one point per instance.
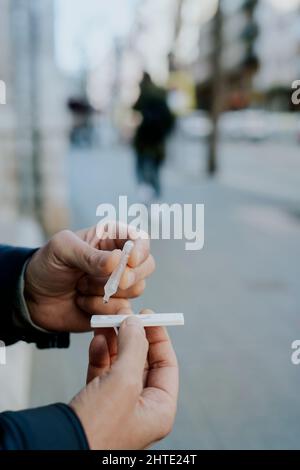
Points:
(72, 136)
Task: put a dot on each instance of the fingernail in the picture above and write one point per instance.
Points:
(132, 320)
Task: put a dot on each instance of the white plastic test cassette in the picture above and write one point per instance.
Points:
(153, 319)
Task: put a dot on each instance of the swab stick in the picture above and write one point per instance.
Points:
(153, 319)
(113, 282)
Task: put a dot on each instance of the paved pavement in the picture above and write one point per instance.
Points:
(240, 294)
(15, 376)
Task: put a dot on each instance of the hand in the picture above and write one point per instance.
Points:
(72, 266)
(129, 402)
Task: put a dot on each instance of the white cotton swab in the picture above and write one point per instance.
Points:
(152, 319)
(113, 282)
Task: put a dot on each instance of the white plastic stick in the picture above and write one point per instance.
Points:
(113, 282)
(153, 319)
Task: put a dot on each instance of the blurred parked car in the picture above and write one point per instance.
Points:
(253, 125)
(196, 125)
(249, 124)
(298, 129)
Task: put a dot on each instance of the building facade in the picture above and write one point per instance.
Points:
(33, 139)
(260, 54)
(239, 61)
(34, 120)
(278, 49)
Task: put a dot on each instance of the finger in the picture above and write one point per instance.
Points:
(132, 276)
(163, 367)
(140, 252)
(94, 305)
(161, 390)
(74, 321)
(132, 292)
(76, 253)
(114, 235)
(111, 335)
(111, 339)
(89, 285)
(132, 354)
(159, 397)
(99, 358)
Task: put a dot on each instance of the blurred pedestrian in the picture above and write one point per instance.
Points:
(157, 121)
(81, 134)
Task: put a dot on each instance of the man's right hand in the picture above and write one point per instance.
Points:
(132, 386)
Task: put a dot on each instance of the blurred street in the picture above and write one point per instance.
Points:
(84, 91)
(240, 294)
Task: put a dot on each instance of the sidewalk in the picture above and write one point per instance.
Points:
(240, 295)
(16, 374)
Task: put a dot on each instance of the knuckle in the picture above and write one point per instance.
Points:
(138, 289)
(92, 257)
(92, 303)
(166, 424)
(118, 306)
(123, 304)
(64, 235)
(54, 242)
(123, 284)
(59, 239)
(127, 382)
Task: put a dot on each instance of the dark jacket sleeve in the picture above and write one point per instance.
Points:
(12, 261)
(53, 427)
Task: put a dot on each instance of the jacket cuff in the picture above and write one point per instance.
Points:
(16, 327)
(21, 312)
(53, 427)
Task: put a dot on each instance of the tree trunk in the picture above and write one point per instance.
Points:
(216, 99)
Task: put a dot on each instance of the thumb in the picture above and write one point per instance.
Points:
(99, 358)
(77, 253)
(132, 352)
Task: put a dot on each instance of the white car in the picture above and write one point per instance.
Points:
(196, 125)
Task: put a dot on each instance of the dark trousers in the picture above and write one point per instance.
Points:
(148, 170)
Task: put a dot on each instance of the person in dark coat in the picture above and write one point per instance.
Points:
(157, 121)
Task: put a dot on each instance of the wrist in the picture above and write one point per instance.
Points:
(31, 306)
(22, 305)
(29, 284)
(77, 410)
